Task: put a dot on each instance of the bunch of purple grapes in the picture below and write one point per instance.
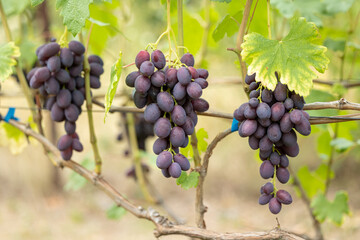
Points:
(269, 119)
(172, 97)
(60, 80)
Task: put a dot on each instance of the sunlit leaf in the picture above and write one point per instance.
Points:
(14, 139)
(293, 57)
(114, 81)
(187, 151)
(8, 53)
(201, 135)
(105, 25)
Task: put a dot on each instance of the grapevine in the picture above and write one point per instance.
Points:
(286, 52)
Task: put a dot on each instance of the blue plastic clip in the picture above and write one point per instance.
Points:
(234, 125)
(10, 115)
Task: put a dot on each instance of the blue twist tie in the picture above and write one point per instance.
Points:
(10, 115)
(234, 125)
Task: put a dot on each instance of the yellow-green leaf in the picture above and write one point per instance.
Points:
(201, 135)
(114, 81)
(14, 139)
(34, 3)
(293, 57)
(8, 53)
(314, 182)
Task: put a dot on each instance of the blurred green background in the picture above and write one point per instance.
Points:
(38, 201)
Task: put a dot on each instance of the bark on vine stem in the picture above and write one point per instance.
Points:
(162, 225)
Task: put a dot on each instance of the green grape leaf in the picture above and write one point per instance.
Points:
(192, 33)
(99, 23)
(342, 144)
(105, 25)
(335, 45)
(8, 53)
(12, 132)
(332, 210)
(323, 145)
(114, 81)
(345, 129)
(100, 1)
(115, 212)
(188, 181)
(309, 9)
(187, 151)
(13, 7)
(34, 3)
(313, 182)
(74, 12)
(201, 135)
(15, 140)
(338, 89)
(292, 57)
(337, 6)
(222, 1)
(76, 181)
(317, 95)
(229, 25)
(28, 56)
